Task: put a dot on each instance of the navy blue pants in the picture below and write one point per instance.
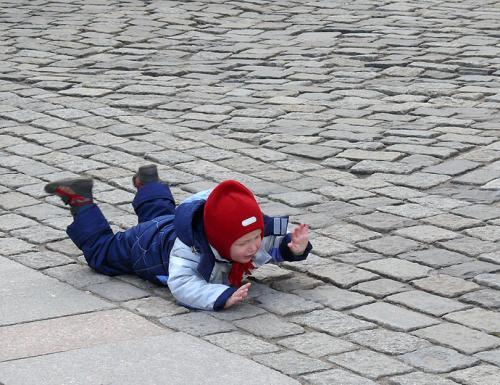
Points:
(143, 249)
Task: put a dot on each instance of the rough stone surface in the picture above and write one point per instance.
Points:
(386, 341)
(438, 359)
(459, 337)
(370, 364)
(397, 269)
(393, 317)
(374, 123)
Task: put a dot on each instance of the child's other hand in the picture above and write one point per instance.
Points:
(238, 296)
(300, 239)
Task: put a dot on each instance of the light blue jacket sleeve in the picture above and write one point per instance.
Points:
(186, 284)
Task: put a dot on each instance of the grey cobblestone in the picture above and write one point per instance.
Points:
(299, 111)
(370, 364)
(438, 359)
(478, 375)
(459, 337)
(268, 326)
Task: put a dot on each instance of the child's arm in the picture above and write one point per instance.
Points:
(283, 246)
(188, 286)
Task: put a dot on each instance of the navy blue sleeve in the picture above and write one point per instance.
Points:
(287, 254)
(221, 301)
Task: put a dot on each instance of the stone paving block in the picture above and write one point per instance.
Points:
(332, 322)
(291, 363)
(316, 345)
(335, 298)
(370, 155)
(196, 323)
(77, 275)
(339, 209)
(459, 337)
(154, 307)
(418, 180)
(11, 246)
(341, 274)
(470, 246)
(410, 210)
(419, 378)
(346, 232)
(389, 245)
(426, 233)
(28, 295)
(397, 269)
(357, 257)
(488, 298)
(141, 360)
(245, 310)
(436, 359)
(39, 234)
(380, 288)
(370, 364)
(327, 247)
(296, 282)
(344, 193)
(445, 285)
(491, 280)
(399, 192)
(435, 257)
(426, 303)
(389, 342)
(486, 233)
(298, 199)
(269, 273)
(42, 211)
(451, 221)
(14, 200)
(42, 259)
(393, 317)
(242, 344)
(478, 375)
(117, 291)
(478, 211)
(285, 304)
(268, 326)
(491, 356)
(439, 202)
(310, 151)
(490, 257)
(73, 332)
(341, 376)
(477, 318)
(470, 269)
(65, 246)
(452, 167)
(381, 221)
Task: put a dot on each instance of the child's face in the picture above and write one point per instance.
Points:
(244, 248)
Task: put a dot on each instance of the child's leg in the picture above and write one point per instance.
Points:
(134, 251)
(153, 200)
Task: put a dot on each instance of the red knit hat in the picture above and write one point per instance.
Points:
(231, 211)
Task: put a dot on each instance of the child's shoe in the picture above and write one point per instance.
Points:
(74, 192)
(145, 174)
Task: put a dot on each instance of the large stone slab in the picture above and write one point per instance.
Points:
(73, 332)
(28, 295)
(173, 358)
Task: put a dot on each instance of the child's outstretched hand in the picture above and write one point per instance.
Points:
(300, 239)
(238, 296)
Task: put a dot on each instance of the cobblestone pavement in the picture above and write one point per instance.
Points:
(377, 122)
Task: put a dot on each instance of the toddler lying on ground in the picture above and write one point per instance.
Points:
(201, 249)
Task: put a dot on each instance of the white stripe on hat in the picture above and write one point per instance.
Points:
(248, 221)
